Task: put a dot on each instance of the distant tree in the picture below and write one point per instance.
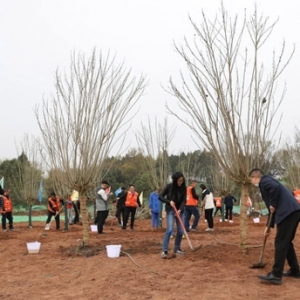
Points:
(229, 93)
(82, 120)
(29, 174)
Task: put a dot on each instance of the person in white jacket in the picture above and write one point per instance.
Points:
(209, 205)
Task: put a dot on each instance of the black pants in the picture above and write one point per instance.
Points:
(76, 207)
(209, 217)
(228, 213)
(119, 213)
(284, 248)
(218, 209)
(101, 217)
(129, 210)
(9, 217)
(57, 220)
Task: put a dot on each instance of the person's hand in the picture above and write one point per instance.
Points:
(272, 209)
(172, 203)
(178, 212)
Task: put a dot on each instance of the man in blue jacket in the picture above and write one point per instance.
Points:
(286, 215)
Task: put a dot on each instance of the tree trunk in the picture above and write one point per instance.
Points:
(243, 217)
(84, 219)
(30, 216)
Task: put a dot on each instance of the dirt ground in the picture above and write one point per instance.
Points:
(218, 270)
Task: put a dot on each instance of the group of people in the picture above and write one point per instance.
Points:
(6, 208)
(55, 205)
(284, 211)
(127, 203)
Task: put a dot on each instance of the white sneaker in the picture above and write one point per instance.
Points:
(226, 220)
(230, 221)
(209, 229)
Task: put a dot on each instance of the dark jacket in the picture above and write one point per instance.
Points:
(229, 200)
(178, 196)
(277, 195)
(121, 199)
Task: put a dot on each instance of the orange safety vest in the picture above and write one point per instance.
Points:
(218, 201)
(296, 194)
(131, 199)
(190, 200)
(54, 205)
(7, 204)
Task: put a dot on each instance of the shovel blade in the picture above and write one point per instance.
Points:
(258, 265)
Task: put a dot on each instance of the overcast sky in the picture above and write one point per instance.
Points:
(38, 36)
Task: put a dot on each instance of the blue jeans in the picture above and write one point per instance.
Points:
(155, 219)
(170, 217)
(188, 212)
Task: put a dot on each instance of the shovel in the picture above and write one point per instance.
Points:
(184, 231)
(260, 263)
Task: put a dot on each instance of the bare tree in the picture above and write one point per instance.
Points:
(82, 120)
(29, 172)
(229, 95)
(154, 140)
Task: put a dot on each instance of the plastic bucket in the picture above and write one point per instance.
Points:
(33, 247)
(94, 228)
(113, 251)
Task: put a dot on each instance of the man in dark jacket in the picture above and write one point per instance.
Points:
(229, 200)
(286, 215)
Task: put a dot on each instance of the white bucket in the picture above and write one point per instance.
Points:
(94, 228)
(113, 250)
(33, 247)
(256, 220)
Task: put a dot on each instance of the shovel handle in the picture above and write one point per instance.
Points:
(265, 239)
(183, 228)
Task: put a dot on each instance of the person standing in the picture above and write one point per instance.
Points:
(69, 209)
(229, 200)
(76, 206)
(7, 210)
(208, 204)
(248, 204)
(121, 197)
(286, 215)
(191, 207)
(102, 205)
(53, 210)
(132, 201)
(154, 206)
(174, 196)
(219, 205)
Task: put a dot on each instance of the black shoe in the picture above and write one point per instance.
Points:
(270, 278)
(289, 273)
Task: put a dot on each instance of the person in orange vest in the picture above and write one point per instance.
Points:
(191, 207)
(7, 209)
(53, 210)
(132, 201)
(296, 194)
(219, 205)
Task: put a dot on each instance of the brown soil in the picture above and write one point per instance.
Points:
(218, 270)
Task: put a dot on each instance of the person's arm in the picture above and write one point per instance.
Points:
(162, 195)
(194, 194)
(272, 189)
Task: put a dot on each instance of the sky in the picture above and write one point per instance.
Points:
(37, 37)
